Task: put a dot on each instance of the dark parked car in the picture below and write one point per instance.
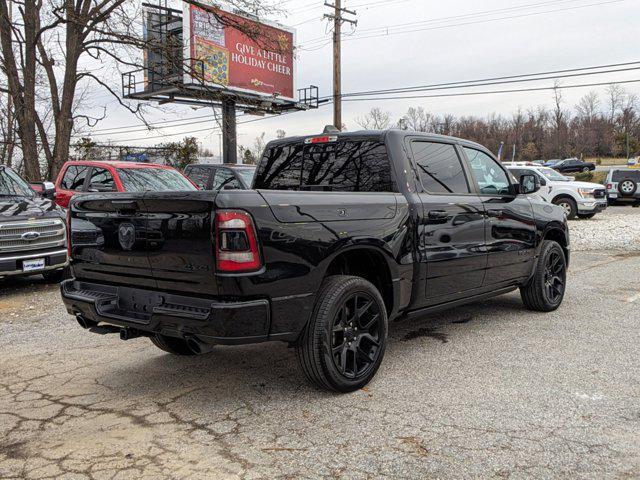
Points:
(216, 177)
(551, 163)
(573, 165)
(343, 233)
(33, 234)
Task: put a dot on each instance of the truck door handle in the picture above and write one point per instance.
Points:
(125, 203)
(438, 215)
(125, 206)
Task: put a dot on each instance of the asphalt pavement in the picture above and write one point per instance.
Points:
(488, 390)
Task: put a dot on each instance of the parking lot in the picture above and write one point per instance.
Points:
(488, 390)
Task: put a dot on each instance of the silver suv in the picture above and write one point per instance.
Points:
(623, 185)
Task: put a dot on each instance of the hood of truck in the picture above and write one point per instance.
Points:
(24, 208)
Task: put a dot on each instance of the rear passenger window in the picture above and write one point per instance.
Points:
(619, 175)
(74, 177)
(280, 169)
(101, 180)
(439, 167)
(199, 176)
(351, 166)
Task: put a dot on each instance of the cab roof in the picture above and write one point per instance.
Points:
(117, 164)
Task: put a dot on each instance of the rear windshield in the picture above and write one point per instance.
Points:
(619, 175)
(345, 166)
(11, 185)
(153, 179)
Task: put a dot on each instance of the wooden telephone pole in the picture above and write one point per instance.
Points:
(338, 19)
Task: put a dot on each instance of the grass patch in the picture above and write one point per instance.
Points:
(595, 177)
(607, 162)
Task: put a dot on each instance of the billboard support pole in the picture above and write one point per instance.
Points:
(229, 132)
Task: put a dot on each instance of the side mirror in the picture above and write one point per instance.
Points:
(543, 181)
(48, 190)
(529, 184)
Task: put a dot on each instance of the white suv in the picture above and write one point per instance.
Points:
(579, 199)
(623, 185)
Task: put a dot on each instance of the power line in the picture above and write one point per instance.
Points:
(387, 30)
(442, 95)
(484, 84)
(490, 92)
(545, 75)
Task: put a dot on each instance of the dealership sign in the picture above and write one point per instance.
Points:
(236, 53)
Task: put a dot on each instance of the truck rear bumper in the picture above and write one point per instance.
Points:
(150, 312)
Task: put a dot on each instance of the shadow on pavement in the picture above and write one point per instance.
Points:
(228, 373)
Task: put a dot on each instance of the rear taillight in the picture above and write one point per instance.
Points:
(69, 233)
(609, 186)
(236, 244)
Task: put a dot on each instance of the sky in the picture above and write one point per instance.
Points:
(402, 43)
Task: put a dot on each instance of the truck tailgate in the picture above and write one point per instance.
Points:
(109, 239)
(153, 240)
(181, 246)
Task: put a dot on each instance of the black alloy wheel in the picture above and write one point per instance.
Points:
(344, 342)
(555, 276)
(546, 289)
(355, 342)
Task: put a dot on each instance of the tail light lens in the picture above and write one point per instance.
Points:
(609, 186)
(236, 243)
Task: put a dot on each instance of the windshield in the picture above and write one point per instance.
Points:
(247, 174)
(552, 175)
(153, 179)
(11, 185)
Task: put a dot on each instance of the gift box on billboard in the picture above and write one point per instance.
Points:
(213, 60)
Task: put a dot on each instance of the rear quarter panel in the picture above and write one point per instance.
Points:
(298, 252)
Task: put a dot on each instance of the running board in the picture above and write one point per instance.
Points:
(457, 303)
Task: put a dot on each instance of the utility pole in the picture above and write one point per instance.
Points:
(229, 132)
(338, 17)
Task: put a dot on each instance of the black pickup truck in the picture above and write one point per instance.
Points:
(342, 233)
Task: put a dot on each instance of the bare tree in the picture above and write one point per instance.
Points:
(376, 119)
(560, 118)
(41, 52)
(615, 98)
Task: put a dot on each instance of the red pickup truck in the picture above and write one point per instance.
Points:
(78, 177)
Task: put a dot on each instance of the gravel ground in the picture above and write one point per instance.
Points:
(484, 391)
(616, 229)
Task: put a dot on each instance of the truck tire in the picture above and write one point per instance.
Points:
(545, 291)
(627, 187)
(344, 343)
(174, 346)
(569, 204)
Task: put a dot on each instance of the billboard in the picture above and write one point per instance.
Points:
(237, 53)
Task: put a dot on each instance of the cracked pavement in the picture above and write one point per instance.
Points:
(488, 390)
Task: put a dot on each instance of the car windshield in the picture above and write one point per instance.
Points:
(153, 179)
(247, 174)
(11, 185)
(553, 176)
